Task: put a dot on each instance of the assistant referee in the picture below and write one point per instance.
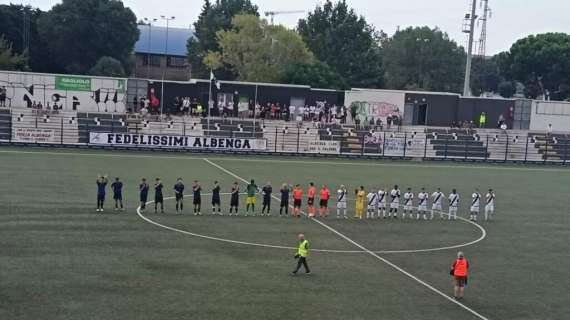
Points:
(302, 254)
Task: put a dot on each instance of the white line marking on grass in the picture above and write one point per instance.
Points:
(139, 212)
(375, 255)
(332, 161)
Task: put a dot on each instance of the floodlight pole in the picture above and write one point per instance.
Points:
(467, 83)
(165, 64)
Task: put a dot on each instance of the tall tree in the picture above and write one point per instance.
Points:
(345, 42)
(108, 67)
(316, 75)
(213, 18)
(542, 63)
(257, 51)
(485, 76)
(80, 32)
(8, 59)
(423, 59)
(14, 18)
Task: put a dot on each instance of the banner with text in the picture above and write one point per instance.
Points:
(176, 142)
(33, 135)
(324, 147)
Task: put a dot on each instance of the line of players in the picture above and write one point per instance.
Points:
(377, 203)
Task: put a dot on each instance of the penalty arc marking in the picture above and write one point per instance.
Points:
(373, 254)
(263, 245)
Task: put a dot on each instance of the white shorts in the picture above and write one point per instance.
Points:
(371, 208)
(489, 208)
(452, 209)
(394, 205)
(436, 206)
(408, 208)
(341, 205)
(382, 205)
(422, 207)
(475, 209)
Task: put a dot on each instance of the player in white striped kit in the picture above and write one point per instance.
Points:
(408, 204)
(422, 204)
(395, 204)
(341, 195)
(382, 194)
(475, 201)
(489, 205)
(436, 204)
(371, 199)
(453, 204)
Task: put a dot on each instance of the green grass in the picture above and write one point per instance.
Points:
(61, 260)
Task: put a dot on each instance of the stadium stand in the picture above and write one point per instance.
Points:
(99, 122)
(553, 147)
(5, 125)
(62, 126)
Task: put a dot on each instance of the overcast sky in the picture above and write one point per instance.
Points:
(511, 19)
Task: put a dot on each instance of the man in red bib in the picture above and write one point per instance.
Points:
(459, 271)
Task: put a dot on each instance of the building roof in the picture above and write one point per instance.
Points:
(177, 38)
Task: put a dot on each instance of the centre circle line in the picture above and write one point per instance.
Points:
(193, 234)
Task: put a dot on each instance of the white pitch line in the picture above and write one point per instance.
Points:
(483, 235)
(331, 162)
(375, 255)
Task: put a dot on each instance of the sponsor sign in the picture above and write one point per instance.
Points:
(70, 83)
(325, 147)
(176, 142)
(33, 135)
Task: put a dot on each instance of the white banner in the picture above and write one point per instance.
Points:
(33, 135)
(325, 147)
(177, 142)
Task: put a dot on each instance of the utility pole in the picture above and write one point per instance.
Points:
(168, 19)
(469, 27)
(483, 38)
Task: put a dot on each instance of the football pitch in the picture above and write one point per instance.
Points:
(59, 259)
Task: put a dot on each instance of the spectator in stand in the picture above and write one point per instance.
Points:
(39, 105)
(312, 111)
(501, 120)
(3, 96)
(389, 122)
(549, 130)
(333, 113)
(291, 116)
(251, 109)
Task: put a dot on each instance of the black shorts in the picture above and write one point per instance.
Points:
(460, 281)
(197, 201)
(297, 203)
(266, 201)
(324, 203)
(143, 198)
(284, 203)
(216, 201)
(311, 201)
(100, 197)
(159, 199)
(179, 196)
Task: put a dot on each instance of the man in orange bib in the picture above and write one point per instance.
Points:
(459, 271)
(324, 204)
(297, 197)
(311, 192)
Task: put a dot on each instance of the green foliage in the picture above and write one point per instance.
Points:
(213, 18)
(345, 42)
(485, 76)
(8, 59)
(80, 32)
(316, 75)
(541, 62)
(256, 51)
(506, 89)
(108, 67)
(423, 59)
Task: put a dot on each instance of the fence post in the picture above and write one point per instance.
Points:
(61, 135)
(445, 150)
(465, 150)
(526, 148)
(384, 145)
(487, 149)
(546, 150)
(362, 145)
(184, 128)
(507, 148)
(565, 151)
(112, 126)
(405, 143)
(298, 137)
(425, 146)
(36, 121)
(276, 130)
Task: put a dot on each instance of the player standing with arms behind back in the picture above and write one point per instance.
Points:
(489, 205)
(422, 205)
(285, 191)
(436, 204)
(475, 201)
(341, 202)
(117, 187)
(408, 204)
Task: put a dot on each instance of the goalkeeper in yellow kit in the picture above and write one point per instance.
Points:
(360, 199)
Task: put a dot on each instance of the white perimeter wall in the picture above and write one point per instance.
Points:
(375, 104)
(17, 86)
(550, 112)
